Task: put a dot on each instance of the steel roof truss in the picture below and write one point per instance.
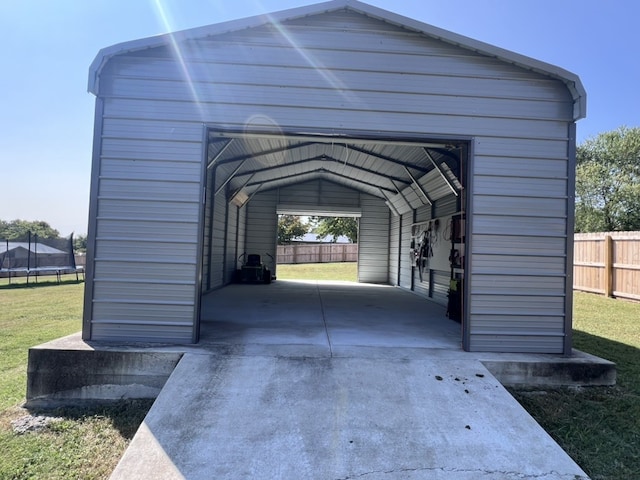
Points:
(419, 187)
(442, 174)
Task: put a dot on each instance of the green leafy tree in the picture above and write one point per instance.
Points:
(335, 227)
(15, 229)
(80, 244)
(290, 227)
(608, 182)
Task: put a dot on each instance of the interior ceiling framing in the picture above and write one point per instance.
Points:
(405, 175)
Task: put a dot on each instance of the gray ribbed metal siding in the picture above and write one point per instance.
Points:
(518, 256)
(518, 118)
(146, 240)
(373, 241)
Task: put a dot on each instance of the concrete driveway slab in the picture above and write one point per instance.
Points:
(276, 417)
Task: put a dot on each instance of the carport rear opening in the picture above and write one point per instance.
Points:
(452, 161)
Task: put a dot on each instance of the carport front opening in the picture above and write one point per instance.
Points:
(409, 195)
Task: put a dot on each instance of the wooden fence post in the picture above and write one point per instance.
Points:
(608, 266)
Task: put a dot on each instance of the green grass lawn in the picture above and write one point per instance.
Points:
(85, 443)
(318, 271)
(598, 426)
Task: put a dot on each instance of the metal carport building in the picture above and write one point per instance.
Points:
(458, 157)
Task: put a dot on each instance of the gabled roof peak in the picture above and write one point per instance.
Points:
(571, 80)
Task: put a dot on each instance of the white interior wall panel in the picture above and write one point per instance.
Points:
(231, 251)
(240, 241)
(373, 241)
(262, 225)
(394, 249)
(218, 241)
(405, 249)
(319, 193)
(516, 117)
(206, 241)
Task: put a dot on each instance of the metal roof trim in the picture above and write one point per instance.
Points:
(571, 80)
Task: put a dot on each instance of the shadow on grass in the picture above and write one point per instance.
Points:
(32, 284)
(124, 415)
(599, 427)
(626, 357)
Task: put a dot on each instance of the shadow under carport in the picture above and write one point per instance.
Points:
(323, 318)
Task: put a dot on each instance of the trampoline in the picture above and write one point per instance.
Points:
(33, 256)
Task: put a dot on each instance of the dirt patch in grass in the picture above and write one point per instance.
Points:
(82, 443)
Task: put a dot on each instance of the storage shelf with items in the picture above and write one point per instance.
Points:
(456, 262)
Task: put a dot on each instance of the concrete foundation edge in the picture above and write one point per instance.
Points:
(58, 377)
(66, 376)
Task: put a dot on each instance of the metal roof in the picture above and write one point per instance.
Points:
(571, 80)
(406, 175)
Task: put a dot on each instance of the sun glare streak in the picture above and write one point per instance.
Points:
(162, 14)
(335, 83)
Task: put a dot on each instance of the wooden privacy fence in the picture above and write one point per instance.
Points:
(318, 253)
(607, 263)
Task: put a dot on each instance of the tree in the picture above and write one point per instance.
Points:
(608, 182)
(80, 244)
(19, 229)
(335, 227)
(290, 227)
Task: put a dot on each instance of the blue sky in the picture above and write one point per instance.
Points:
(46, 114)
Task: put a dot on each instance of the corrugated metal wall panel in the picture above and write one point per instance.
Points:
(231, 248)
(518, 167)
(151, 210)
(517, 343)
(440, 286)
(147, 234)
(405, 258)
(373, 241)
(149, 250)
(115, 310)
(519, 245)
(319, 193)
(137, 230)
(491, 224)
(520, 186)
(514, 305)
(218, 241)
(288, 117)
(492, 324)
(522, 206)
(136, 292)
(394, 249)
(206, 241)
(423, 214)
(501, 284)
(514, 265)
(140, 272)
(132, 169)
(445, 206)
(153, 191)
(262, 225)
(139, 332)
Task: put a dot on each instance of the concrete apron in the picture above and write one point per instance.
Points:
(294, 417)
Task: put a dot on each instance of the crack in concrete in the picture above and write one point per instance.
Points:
(552, 475)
